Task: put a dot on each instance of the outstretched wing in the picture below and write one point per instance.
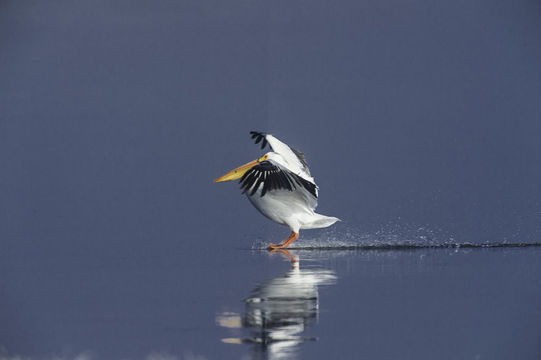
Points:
(295, 159)
(274, 177)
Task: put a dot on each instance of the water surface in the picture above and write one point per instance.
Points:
(235, 303)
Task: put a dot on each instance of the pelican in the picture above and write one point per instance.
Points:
(280, 186)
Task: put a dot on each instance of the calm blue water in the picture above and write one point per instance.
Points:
(240, 303)
(420, 123)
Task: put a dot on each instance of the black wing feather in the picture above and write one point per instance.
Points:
(273, 178)
(258, 136)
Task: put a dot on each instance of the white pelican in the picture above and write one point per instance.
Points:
(280, 186)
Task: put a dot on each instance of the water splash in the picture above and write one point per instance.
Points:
(390, 236)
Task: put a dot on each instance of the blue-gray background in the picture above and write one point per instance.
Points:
(420, 121)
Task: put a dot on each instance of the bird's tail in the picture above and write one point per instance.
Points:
(319, 221)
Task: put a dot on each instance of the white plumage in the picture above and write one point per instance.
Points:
(280, 186)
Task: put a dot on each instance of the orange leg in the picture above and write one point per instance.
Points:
(292, 237)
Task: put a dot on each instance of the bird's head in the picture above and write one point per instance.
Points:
(241, 170)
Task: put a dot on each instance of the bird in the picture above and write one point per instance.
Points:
(280, 186)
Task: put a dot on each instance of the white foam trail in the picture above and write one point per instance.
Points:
(347, 236)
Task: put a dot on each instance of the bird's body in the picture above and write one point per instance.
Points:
(280, 186)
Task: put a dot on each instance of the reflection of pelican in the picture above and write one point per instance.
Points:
(279, 310)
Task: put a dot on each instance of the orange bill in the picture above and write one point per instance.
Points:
(238, 172)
